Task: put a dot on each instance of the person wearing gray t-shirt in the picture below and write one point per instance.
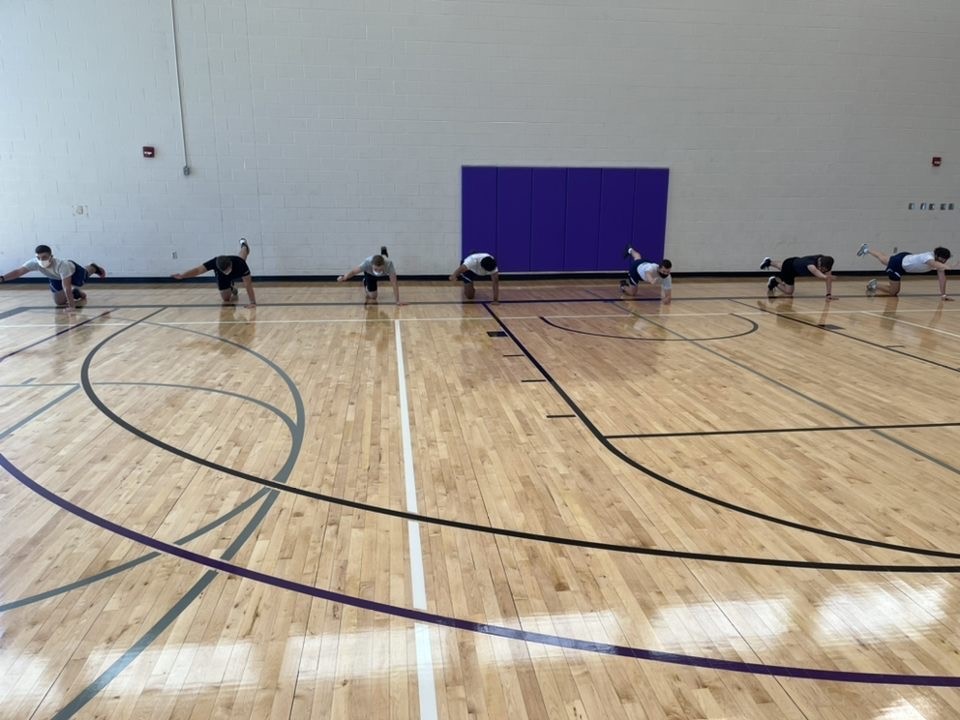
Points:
(66, 276)
(374, 269)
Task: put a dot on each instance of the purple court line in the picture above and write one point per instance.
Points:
(50, 337)
(470, 626)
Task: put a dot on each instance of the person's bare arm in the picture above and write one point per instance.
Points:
(827, 277)
(352, 273)
(192, 272)
(14, 274)
(457, 273)
(396, 288)
(248, 286)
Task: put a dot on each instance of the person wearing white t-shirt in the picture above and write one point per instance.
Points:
(374, 269)
(66, 276)
(654, 273)
(474, 267)
(905, 262)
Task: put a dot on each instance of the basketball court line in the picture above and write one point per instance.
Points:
(772, 431)
(913, 324)
(568, 643)
(855, 338)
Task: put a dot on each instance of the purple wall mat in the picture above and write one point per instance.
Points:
(616, 217)
(548, 219)
(564, 219)
(478, 229)
(583, 219)
(650, 212)
(513, 219)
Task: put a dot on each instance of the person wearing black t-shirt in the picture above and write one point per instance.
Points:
(228, 269)
(818, 266)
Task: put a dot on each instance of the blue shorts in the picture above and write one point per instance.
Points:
(895, 266)
(469, 276)
(78, 278)
(633, 273)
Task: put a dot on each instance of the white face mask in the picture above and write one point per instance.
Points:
(45, 263)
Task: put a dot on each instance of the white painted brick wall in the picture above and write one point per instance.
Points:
(321, 129)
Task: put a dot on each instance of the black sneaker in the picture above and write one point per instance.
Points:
(623, 284)
(98, 270)
(233, 292)
(772, 285)
(766, 263)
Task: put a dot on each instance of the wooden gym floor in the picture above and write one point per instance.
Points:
(559, 506)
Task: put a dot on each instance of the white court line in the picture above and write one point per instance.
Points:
(907, 322)
(428, 692)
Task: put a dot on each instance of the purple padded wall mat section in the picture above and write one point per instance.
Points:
(563, 219)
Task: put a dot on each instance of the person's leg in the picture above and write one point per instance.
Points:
(59, 296)
(878, 255)
(469, 291)
(786, 289)
(634, 255)
(94, 269)
(229, 296)
(370, 287)
(78, 280)
(892, 288)
(776, 265)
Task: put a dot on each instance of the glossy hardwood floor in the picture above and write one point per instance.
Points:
(558, 506)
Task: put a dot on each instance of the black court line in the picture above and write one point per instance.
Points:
(771, 431)
(927, 456)
(514, 355)
(10, 313)
(696, 493)
(829, 329)
(56, 334)
(533, 381)
(753, 328)
(612, 547)
(518, 534)
(560, 416)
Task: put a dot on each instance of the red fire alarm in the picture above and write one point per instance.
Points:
(937, 161)
(148, 151)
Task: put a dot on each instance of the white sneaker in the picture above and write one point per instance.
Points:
(243, 244)
(872, 287)
(864, 249)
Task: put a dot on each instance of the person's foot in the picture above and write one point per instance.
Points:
(872, 287)
(623, 285)
(244, 244)
(766, 263)
(628, 251)
(864, 249)
(772, 285)
(234, 294)
(98, 270)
